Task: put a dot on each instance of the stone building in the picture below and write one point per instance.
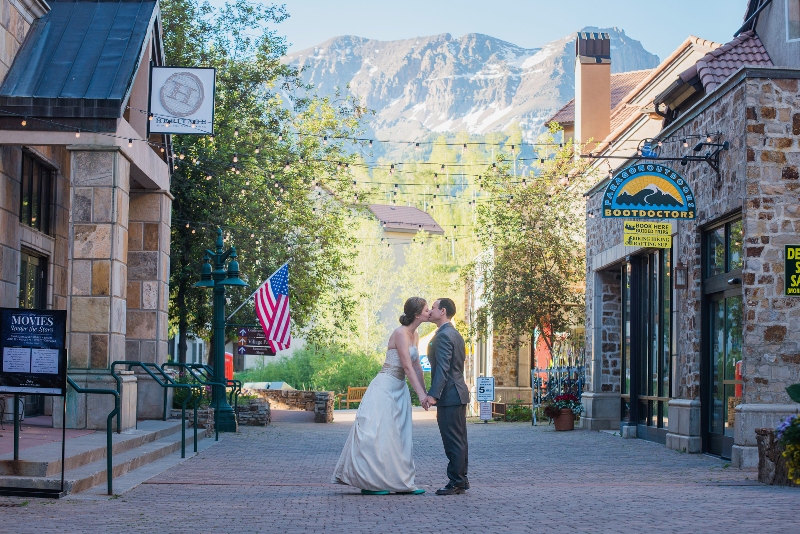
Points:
(84, 202)
(693, 345)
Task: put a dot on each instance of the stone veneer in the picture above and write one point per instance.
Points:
(758, 113)
(319, 402)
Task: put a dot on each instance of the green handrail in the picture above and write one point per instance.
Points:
(233, 384)
(166, 385)
(114, 412)
(201, 380)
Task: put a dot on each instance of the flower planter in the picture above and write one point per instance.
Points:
(772, 468)
(565, 420)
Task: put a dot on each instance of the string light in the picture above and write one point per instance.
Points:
(130, 143)
(258, 149)
(150, 117)
(77, 133)
(685, 143)
(325, 140)
(236, 132)
(194, 123)
(24, 121)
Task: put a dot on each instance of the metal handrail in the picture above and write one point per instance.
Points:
(170, 383)
(114, 412)
(201, 379)
(234, 384)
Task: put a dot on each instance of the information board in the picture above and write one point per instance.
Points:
(33, 351)
(647, 234)
(485, 387)
(791, 286)
(486, 411)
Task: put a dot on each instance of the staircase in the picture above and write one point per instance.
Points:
(85, 461)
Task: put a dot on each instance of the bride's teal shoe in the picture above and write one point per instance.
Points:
(418, 491)
(370, 492)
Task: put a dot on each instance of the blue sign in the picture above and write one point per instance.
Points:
(648, 191)
(423, 361)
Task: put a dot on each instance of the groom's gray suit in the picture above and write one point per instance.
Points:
(446, 354)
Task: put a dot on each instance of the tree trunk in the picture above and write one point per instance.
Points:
(183, 322)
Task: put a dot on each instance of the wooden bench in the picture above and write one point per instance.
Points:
(352, 395)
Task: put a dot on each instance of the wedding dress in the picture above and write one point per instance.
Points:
(378, 452)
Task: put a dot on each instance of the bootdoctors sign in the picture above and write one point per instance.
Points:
(181, 101)
(648, 191)
(32, 349)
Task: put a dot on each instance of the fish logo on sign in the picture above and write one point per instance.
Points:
(649, 191)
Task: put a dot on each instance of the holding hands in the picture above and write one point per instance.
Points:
(428, 401)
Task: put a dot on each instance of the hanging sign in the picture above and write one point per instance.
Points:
(792, 270)
(648, 191)
(181, 101)
(253, 341)
(647, 234)
(33, 351)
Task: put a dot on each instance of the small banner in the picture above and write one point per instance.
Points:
(181, 100)
(648, 191)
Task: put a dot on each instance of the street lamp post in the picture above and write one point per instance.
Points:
(218, 279)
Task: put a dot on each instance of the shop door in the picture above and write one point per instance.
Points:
(721, 371)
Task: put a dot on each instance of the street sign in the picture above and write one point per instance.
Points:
(791, 271)
(34, 358)
(647, 234)
(253, 341)
(486, 411)
(485, 386)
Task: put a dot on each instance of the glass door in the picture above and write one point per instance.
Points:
(721, 370)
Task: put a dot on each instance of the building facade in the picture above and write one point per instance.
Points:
(692, 345)
(85, 203)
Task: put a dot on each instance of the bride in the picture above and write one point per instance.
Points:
(377, 456)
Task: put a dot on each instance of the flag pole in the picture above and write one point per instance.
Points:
(256, 291)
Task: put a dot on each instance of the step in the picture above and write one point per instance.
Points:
(45, 460)
(94, 473)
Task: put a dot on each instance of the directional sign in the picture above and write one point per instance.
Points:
(243, 332)
(242, 350)
(485, 385)
(792, 271)
(253, 341)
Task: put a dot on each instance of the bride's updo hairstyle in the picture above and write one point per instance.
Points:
(412, 309)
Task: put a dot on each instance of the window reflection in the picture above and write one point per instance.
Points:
(735, 240)
(716, 251)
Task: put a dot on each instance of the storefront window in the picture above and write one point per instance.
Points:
(735, 239)
(32, 282)
(716, 252)
(36, 194)
(792, 20)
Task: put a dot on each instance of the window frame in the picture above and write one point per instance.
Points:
(789, 38)
(37, 182)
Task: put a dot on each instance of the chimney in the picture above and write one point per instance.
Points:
(592, 88)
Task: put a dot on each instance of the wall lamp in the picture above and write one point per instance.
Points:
(680, 276)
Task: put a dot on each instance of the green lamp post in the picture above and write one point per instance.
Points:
(217, 279)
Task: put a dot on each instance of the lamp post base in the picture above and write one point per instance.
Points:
(226, 420)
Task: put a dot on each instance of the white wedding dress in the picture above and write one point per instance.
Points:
(378, 452)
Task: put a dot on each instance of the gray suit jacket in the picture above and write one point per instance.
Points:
(446, 354)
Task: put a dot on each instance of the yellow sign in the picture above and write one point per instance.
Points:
(792, 269)
(652, 228)
(647, 241)
(647, 234)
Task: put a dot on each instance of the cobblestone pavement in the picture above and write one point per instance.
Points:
(524, 479)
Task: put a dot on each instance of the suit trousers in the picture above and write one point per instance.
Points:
(453, 428)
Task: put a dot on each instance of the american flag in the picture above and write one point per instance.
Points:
(272, 308)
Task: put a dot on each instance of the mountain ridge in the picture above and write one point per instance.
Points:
(439, 84)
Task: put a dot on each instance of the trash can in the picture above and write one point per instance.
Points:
(229, 366)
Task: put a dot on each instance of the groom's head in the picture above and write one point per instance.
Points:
(442, 311)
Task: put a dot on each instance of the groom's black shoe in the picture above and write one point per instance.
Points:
(450, 490)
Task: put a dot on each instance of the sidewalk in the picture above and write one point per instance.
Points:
(523, 478)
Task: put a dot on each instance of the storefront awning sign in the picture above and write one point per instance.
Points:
(181, 100)
(647, 234)
(648, 191)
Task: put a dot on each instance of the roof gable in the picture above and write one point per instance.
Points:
(715, 67)
(405, 219)
(79, 59)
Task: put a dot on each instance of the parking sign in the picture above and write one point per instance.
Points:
(485, 385)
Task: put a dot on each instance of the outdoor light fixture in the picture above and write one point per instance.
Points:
(24, 122)
(680, 278)
(685, 143)
(130, 143)
(684, 161)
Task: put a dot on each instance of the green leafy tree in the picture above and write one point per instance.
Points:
(262, 175)
(531, 277)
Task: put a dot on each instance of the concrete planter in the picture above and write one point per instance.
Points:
(772, 468)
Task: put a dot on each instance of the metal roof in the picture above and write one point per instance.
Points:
(405, 219)
(79, 59)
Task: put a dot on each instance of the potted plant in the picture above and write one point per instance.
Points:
(562, 410)
(788, 432)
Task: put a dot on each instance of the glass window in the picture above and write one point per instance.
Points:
(37, 193)
(716, 251)
(32, 282)
(792, 20)
(725, 245)
(735, 240)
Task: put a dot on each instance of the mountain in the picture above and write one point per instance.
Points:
(649, 196)
(475, 83)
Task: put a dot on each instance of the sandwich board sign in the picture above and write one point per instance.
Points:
(34, 356)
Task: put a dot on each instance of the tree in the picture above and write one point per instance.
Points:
(532, 274)
(261, 175)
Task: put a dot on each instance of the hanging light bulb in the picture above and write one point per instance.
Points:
(252, 235)
(150, 117)
(416, 145)
(437, 187)
(208, 177)
(24, 121)
(166, 124)
(258, 149)
(287, 166)
(236, 132)
(391, 170)
(280, 137)
(192, 230)
(130, 143)
(541, 161)
(181, 156)
(194, 124)
(162, 148)
(235, 158)
(187, 225)
(708, 138)
(370, 143)
(77, 133)
(685, 143)
(660, 144)
(442, 169)
(325, 140)
(512, 148)
(464, 148)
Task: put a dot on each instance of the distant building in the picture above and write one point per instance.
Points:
(401, 224)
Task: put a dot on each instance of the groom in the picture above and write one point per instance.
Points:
(449, 393)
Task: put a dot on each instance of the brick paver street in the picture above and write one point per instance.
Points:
(275, 479)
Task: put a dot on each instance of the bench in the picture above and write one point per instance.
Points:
(352, 395)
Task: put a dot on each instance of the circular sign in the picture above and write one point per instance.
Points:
(182, 94)
(648, 191)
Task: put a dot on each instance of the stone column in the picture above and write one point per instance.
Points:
(148, 291)
(98, 280)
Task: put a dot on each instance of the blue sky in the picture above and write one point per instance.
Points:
(660, 26)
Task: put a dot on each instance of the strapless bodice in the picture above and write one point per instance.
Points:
(392, 365)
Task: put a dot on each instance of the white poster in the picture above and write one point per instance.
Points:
(181, 100)
(44, 361)
(485, 387)
(16, 360)
(486, 411)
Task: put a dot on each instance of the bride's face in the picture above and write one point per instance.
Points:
(425, 314)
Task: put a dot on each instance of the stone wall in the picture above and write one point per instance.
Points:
(254, 412)
(319, 402)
